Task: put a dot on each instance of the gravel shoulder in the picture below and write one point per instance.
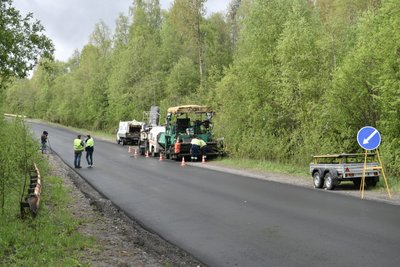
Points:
(121, 240)
(124, 242)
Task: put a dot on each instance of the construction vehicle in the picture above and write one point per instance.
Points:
(183, 123)
(129, 132)
(330, 170)
(154, 148)
(150, 132)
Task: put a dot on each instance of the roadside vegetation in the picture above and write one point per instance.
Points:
(287, 78)
(50, 238)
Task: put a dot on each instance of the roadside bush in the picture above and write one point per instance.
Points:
(50, 239)
(18, 151)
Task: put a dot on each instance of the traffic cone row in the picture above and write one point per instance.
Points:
(183, 163)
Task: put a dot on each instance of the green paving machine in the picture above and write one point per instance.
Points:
(183, 123)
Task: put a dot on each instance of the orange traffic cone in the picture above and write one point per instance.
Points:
(183, 161)
(129, 150)
(203, 160)
(160, 157)
(147, 154)
(135, 153)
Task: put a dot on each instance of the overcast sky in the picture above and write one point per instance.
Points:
(69, 23)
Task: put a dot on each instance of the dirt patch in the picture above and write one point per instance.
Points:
(122, 241)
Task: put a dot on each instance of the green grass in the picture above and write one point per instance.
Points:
(50, 239)
(263, 165)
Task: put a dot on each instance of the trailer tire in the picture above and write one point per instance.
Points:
(357, 183)
(372, 182)
(330, 179)
(318, 180)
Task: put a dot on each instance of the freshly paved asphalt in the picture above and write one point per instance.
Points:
(229, 220)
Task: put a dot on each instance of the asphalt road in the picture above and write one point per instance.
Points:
(230, 220)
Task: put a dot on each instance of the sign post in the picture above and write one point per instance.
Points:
(369, 138)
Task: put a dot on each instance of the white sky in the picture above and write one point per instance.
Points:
(69, 23)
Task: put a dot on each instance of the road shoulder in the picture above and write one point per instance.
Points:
(121, 240)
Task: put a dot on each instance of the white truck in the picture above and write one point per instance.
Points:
(150, 132)
(129, 132)
(330, 170)
(154, 147)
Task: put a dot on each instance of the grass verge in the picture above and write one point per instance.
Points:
(50, 239)
(264, 165)
(301, 171)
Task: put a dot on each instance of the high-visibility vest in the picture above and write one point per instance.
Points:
(78, 145)
(195, 141)
(202, 143)
(90, 142)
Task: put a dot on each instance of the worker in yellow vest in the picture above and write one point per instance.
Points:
(89, 148)
(78, 148)
(197, 145)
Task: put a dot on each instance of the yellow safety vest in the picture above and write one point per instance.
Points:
(202, 143)
(78, 145)
(90, 142)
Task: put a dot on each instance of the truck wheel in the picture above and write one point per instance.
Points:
(330, 181)
(318, 180)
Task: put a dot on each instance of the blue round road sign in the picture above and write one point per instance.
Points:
(369, 138)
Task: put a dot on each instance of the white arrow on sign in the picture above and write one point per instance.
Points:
(366, 140)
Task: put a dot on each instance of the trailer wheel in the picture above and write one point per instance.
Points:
(317, 179)
(357, 183)
(330, 181)
(372, 182)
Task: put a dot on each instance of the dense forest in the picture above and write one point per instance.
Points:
(287, 78)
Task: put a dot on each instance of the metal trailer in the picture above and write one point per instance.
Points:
(330, 170)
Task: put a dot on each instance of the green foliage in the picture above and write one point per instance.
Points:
(287, 78)
(50, 239)
(22, 42)
(18, 151)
